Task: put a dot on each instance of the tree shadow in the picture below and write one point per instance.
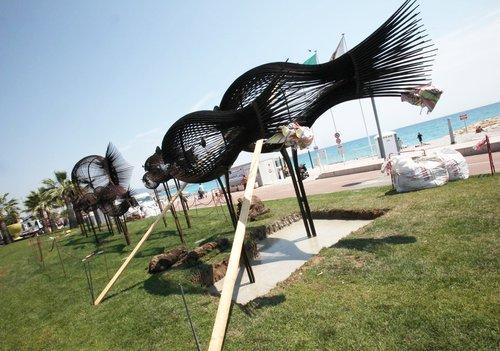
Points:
(368, 244)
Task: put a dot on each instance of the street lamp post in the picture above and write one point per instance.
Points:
(380, 141)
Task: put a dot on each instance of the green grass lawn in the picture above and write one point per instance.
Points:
(424, 276)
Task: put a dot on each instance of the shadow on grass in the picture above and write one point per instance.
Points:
(162, 233)
(261, 302)
(351, 184)
(156, 285)
(150, 251)
(392, 192)
(164, 286)
(367, 244)
(110, 296)
(90, 239)
(118, 248)
(214, 237)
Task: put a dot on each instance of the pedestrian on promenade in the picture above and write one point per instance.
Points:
(420, 138)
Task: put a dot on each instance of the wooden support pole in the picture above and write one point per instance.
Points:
(158, 201)
(298, 195)
(185, 207)
(223, 311)
(40, 250)
(60, 257)
(303, 192)
(490, 155)
(174, 212)
(136, 249)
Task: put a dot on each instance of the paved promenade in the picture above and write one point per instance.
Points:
(478, 164)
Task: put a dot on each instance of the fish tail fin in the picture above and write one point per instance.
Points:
(398, 56)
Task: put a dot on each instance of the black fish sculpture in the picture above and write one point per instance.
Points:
(96, 171)
(203, 145)
(103, 181)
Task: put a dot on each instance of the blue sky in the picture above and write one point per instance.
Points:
(76, 75)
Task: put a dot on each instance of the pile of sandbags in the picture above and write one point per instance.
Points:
(436, 169)
(455, 163)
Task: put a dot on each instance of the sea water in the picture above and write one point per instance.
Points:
(431, 130)
(355, 149)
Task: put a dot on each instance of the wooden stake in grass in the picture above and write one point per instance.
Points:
(136, 248)
(60, 257)
(223, 311)
(40, 250)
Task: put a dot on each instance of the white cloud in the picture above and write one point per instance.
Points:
(148, 133)
(143, 144)
(203, 102)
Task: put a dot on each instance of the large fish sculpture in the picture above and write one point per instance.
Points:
(203, 145)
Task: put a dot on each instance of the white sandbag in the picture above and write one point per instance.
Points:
(455, 163)
(417, 173)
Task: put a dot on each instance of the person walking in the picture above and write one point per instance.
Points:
(201, 192)
(420, 138)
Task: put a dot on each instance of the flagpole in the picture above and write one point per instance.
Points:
(331, 114)
(366, 128)
(333, 120)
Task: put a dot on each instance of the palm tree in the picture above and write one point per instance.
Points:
(9, 211)
(62, 189)
(40, 202)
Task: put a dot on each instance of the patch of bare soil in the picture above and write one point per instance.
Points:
(207, 275)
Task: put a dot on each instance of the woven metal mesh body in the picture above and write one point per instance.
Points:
(148, 179)
(155, 162)
(156, 170)
(202, 145)
(119, 206)
(109, 193)
(102, 182)
(85, 202)
(96, 171)
(89, 173)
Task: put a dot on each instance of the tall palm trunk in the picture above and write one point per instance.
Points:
(45, 221)
(73, 223)
(7, 238)
(97, 217)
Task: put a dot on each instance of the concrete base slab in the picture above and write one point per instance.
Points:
(284, 252)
